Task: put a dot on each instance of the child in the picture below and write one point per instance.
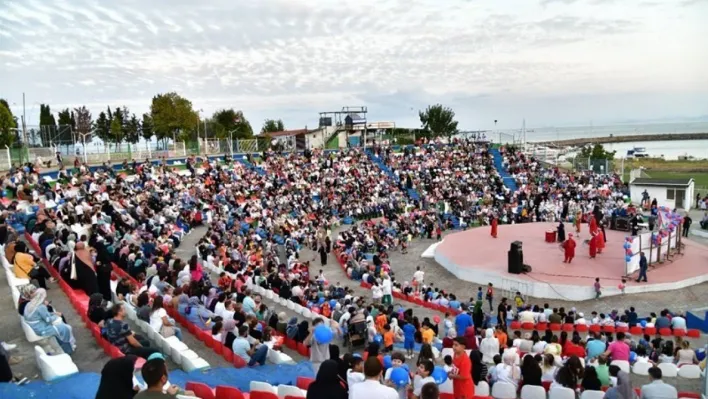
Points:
(479, 294)
(397, 360)
(622, 285)
(447, 366)
(355, 374)
(598, 288)
(388, 338)
(425, 369)
(428, 334)
(519, 300)
(493, 370)
(409, 339)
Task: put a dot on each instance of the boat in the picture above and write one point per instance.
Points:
(637, 152)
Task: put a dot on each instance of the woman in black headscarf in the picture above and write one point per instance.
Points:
(327, 385)
(96, 311)
(103, 269)
(117, 379)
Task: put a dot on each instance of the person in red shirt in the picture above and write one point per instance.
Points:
(569, 249)
(574, 348)
(461, 374)
(495, 223)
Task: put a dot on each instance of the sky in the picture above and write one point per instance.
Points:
(550, 62)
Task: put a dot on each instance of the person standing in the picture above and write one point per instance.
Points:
(495, 224)
(686, 224)
(371, 387)
(569, 249)
(598, 288)
(560, 231)
(319, 352)
(501, 313)
(490, 296)
(592, 245)
(643, 266)
(461, 375)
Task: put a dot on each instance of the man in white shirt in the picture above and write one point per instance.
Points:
(526, 316)
(387, 288)
(678, 322)
(371, 388)
(249, 305)
(658, 389)
(418, 277)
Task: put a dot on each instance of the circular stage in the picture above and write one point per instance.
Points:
(475, 256)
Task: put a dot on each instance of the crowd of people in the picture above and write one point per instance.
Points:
(259, 220)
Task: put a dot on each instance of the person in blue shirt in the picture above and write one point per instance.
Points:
(462, 322)
(409, 338)
(595, 347)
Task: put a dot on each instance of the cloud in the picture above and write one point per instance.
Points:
(267, 57)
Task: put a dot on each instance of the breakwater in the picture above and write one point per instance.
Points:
(625, 139)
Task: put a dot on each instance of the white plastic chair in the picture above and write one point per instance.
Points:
(29, 332)
(449, 351)
(503, 390)
(482, 389)
(194, 364)
(306, 313)
(269, 294)
(298, 308)
(689, 371)
(291, 305)
(531, 392)
(289, 390)
(561, 393)
(592, 395)
(668, 370)
(258, 386)
(641, 368)
(54, 367)
(622, 364)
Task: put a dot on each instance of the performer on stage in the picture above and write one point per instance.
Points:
(560, 231)
(569, 248)
(495, 223)
(592, 245)
(578, 221)
(595, 235)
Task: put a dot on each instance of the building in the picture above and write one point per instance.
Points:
(672, 193)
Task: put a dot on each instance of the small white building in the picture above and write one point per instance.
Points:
(672, 193)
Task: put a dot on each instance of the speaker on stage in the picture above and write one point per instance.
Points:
(516, 258)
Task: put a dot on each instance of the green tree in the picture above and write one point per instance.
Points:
(146, 127)
(597, 151)
(172, 114)
(117, 134)
(132, 130)
(7, 126)
(231, 123)
(102, 127)
(66, 122)
(438, 121)
(272, 126)
(116, 130)
(47, 125)
(13, 125)
(83, 123)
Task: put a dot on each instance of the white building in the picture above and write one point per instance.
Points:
(672, 193)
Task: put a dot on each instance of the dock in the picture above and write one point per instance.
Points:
(625, 139)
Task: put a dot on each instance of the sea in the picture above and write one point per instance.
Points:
(668, 149)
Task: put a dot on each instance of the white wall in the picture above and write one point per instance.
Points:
(658, 192)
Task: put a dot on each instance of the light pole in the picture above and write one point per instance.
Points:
(83, 142)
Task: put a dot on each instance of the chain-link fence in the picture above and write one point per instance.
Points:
(601, 166)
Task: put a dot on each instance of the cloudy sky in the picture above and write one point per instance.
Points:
(553, 62)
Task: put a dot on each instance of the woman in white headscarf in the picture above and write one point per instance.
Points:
(489, 347)
(507, 370)
(46, 324)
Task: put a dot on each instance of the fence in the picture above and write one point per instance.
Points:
(600, 166)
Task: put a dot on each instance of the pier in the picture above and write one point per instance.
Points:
(625, 139)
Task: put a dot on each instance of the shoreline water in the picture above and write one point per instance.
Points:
(581, 141)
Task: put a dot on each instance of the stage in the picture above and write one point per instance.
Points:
(475, 256)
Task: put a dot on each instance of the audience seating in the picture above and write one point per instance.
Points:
(592, 395)
(503, 390)
(200, 390)
(224, 392)
(56, 366)
(689, 371)
(289, 391)
(668, 370)
(561, 393)
(532, 392)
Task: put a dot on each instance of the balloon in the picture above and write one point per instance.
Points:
(323, 335)
(387, 362)
(628, 252)
(700, 354)
(439, 375)
(643, 323)
(627, 245)
(400, 377)
(321, 300)
(632, 357)
(378, 338)
(436, 319)
(628, 258)
(332, 303)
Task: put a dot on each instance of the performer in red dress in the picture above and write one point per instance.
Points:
(569, 247)
(495, 223)
(596, 237)
(593, 245)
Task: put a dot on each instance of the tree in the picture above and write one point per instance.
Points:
(116, 129)
(272, 125)
(132, 130)
(83, 123)
(118, 126)
(172, 114)
(231, 123)
(66, 126)
(102, 127)
(597, 152)
(438, 120)
(146, 127)
(47, 125)
(7, 126)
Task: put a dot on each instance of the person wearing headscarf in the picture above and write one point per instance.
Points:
(97, 313)
(291, 329)
(229, 334)
(104, 268)
(26, 292)
(303, 331)
(46, 324)
(210, 299)
(327, 384)
(83, 269)
(117, 379)
(478, 315)
(507, 370)
(623, 389)
(282, 325)
(489, 346)
(471, 338)
(24, 266)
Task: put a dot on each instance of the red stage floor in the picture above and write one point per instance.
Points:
(473, 255)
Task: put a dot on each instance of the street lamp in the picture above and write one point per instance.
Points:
(83, 142)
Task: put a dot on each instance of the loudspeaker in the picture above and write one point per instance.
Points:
(516, 258)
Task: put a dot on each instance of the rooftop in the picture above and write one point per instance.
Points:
(647, 181)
